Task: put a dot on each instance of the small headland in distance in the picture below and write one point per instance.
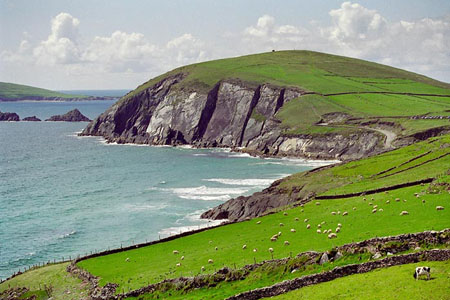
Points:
(19, 92)
(72, 116)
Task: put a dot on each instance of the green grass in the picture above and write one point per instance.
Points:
(390, 283)
(14, 92)
(65, 286)
(155, 263)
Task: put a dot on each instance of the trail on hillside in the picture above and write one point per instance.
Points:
(390, 136)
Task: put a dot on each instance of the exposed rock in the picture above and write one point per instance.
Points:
(31, 119)
(71, 116)
(323, 258)
(377, 255)
(8, 116)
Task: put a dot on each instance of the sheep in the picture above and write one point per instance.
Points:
(306, 220)
(404, 213)
(404, 200)
(439, 207)
(380, 209)
(423, 200)
(339, 225)
(296, 219)
(339, 212)
(302, 210)
(202, 268)
(345, 213)
(178, 264)
(216, 248)
(319, 226)
(259, 222)
(182, 258)
(317, 203)
(397, 199)
(375, 206)
(329, 231)
(281, 224)
(338, 229)
(210, 261)
(319, 231)
(175, 251)
(323, 222)
(333, 213)
(301, 205)
(293, 230)
(127, 259)
(372, 199)
(274, 238)
(285, 214)
(325, 231)
(386, 192)
(255, 250)
(279, 233)
(354, 208)
(271, 250)
(332, 236)
(286, 243)
(244, 247)
(308, 226)
(374, 210)
(364, 199)
(388, 201)
(370, 203)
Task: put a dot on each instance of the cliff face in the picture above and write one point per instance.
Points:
(232, 114)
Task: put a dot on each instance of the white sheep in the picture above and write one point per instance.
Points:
(244, 247)
(175, 251)
(259, 222)
(178, 264)
(210, 261)
(271, 250)
(296, 219)
(354, 208)
(182, 258)
(293, 230)
(339, 212)
(404, 213)
(364, 199)
(323, 222)
(397, 199)
(339, 225)
(333, 213)
(281, 224)
(345, 213)
(319, 231)
(439, 207)
(306, 220)
(404, 200)
(202, 268)
(279, 233)
(319, 226)
(338, 229)
(375, 206)
(374, 210)
(317, 203)
(255, 250)
(127, 259)
(216, 248)
(285, 214)
(286, 243)
(388, 201)
(380, 209)
(370, 203)
(308, 226)
(332, 235)
(302, 210)
(274, 238)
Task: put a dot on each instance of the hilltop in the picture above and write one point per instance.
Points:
(286, 103)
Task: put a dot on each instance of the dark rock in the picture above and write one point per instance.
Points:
(72, 116)
(31, 119)
(7, 116)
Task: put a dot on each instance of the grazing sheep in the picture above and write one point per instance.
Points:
(274, 238)
(339, 225)
(332, 236)
(364, 199)
(210, 261)
(354, 208)
(319, 231)
(317, 203)
(306, 220)
(259, 222)
(372, 199)
(286, 243)
(308, 226)
(271, 250)
(339, 212)
(178, 264)
(175, 251)
(387, 192)
(370, 203)
(210, 242)
(182, 258)
(375, 206)
(338, 229)
(293, 230)
(302, 210)
(423, 200)
(345, 213)
(255, 250)
(216, 248)
(330, 231)
(244, 247)
(301, 205)
(380, 209)
(296, 219)
(281, 224)
(439, 207)
(333, 213)
(388, 201)
(374, 210)
(323, 222)
(285, 214)
(319, 226)
(202, 268)
(397, 199)
(325, 231)
(404, 213)
(127, 259)
(279, 233)
(418, 196)
(404, 200)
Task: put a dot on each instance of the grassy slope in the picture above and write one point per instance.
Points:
(325, 74)
(391, 283)
(11, 91)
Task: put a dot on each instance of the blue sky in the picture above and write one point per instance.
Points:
(102, 44)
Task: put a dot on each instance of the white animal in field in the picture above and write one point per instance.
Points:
(422, 271)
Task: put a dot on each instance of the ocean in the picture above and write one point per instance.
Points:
(62, 195)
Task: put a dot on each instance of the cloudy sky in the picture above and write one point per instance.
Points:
(114, 44)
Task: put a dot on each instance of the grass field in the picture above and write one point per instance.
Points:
(392, 283)
(14, 92)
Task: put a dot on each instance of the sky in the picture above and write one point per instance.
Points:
(117, 44)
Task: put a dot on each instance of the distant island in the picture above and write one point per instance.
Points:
(19, 92)
(72, 116)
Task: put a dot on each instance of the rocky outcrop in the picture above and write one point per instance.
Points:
(31, 119)
(231, 114)
(8, 116)
(71, 116)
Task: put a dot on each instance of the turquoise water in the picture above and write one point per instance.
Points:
(64, 195)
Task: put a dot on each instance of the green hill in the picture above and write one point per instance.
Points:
(16, 92)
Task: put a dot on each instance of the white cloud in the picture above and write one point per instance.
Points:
(186, 49)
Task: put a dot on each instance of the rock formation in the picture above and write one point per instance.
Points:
(8, 116)
(72, 116)
(31, 119)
